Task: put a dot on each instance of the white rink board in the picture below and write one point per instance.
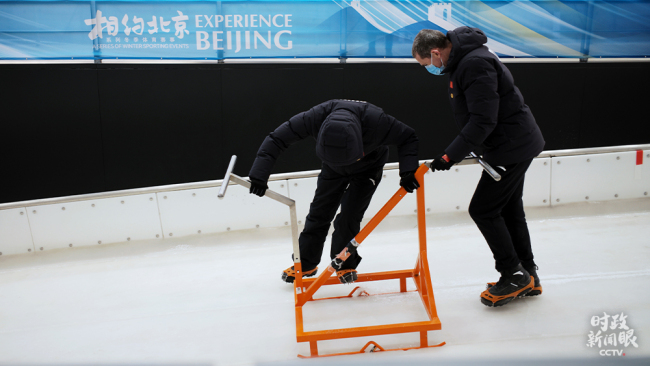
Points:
(452, 190)
(599, 177)
(15, 235)
(192, 211)
(93, 222)
(200, 211)
(302, 191)
(537, 187)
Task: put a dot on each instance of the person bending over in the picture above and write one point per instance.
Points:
(352, 139)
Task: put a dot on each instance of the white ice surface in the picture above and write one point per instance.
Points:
(219, 300)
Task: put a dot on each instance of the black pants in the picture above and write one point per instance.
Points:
(497, 208)
(353, 193)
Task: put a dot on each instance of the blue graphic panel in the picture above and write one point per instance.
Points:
(317, 28)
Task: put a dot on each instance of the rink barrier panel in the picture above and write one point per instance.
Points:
(302, 191)
(94, 222)
(554, 178)
(15, 232)
(601, 177)
(199, 211)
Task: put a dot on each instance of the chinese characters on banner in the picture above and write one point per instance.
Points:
(213, 32)
(111, 25)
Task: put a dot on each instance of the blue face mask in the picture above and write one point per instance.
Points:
(434, 69)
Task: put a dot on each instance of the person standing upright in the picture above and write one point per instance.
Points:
(490, 112)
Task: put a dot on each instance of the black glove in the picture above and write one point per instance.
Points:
(442, 162)
(409, 182)
(258, 187)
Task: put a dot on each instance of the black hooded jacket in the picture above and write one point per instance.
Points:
(489, 109)
(364, 142)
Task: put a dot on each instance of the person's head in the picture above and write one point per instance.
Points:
(340, 140)
(431, 47)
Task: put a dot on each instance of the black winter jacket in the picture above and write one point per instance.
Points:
(488, 107)
(378, 130)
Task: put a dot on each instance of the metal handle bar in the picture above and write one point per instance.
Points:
(488, 169)
(226, 178)
(270, 194)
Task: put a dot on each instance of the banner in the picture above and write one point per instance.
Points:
(216, 30)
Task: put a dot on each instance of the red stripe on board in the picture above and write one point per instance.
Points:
(639, 157)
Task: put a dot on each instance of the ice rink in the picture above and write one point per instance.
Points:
(218, 299)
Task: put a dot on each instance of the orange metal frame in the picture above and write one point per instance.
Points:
(304, 289)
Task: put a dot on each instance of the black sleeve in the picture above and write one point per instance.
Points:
(390, 131)
(479, 81)
(295, 129)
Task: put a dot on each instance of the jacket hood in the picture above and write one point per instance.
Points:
(463, 40)
(340, 140)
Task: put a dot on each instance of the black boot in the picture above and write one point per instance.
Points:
(513, 283)
(537, 288)
(347, 275)
(289, 274)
